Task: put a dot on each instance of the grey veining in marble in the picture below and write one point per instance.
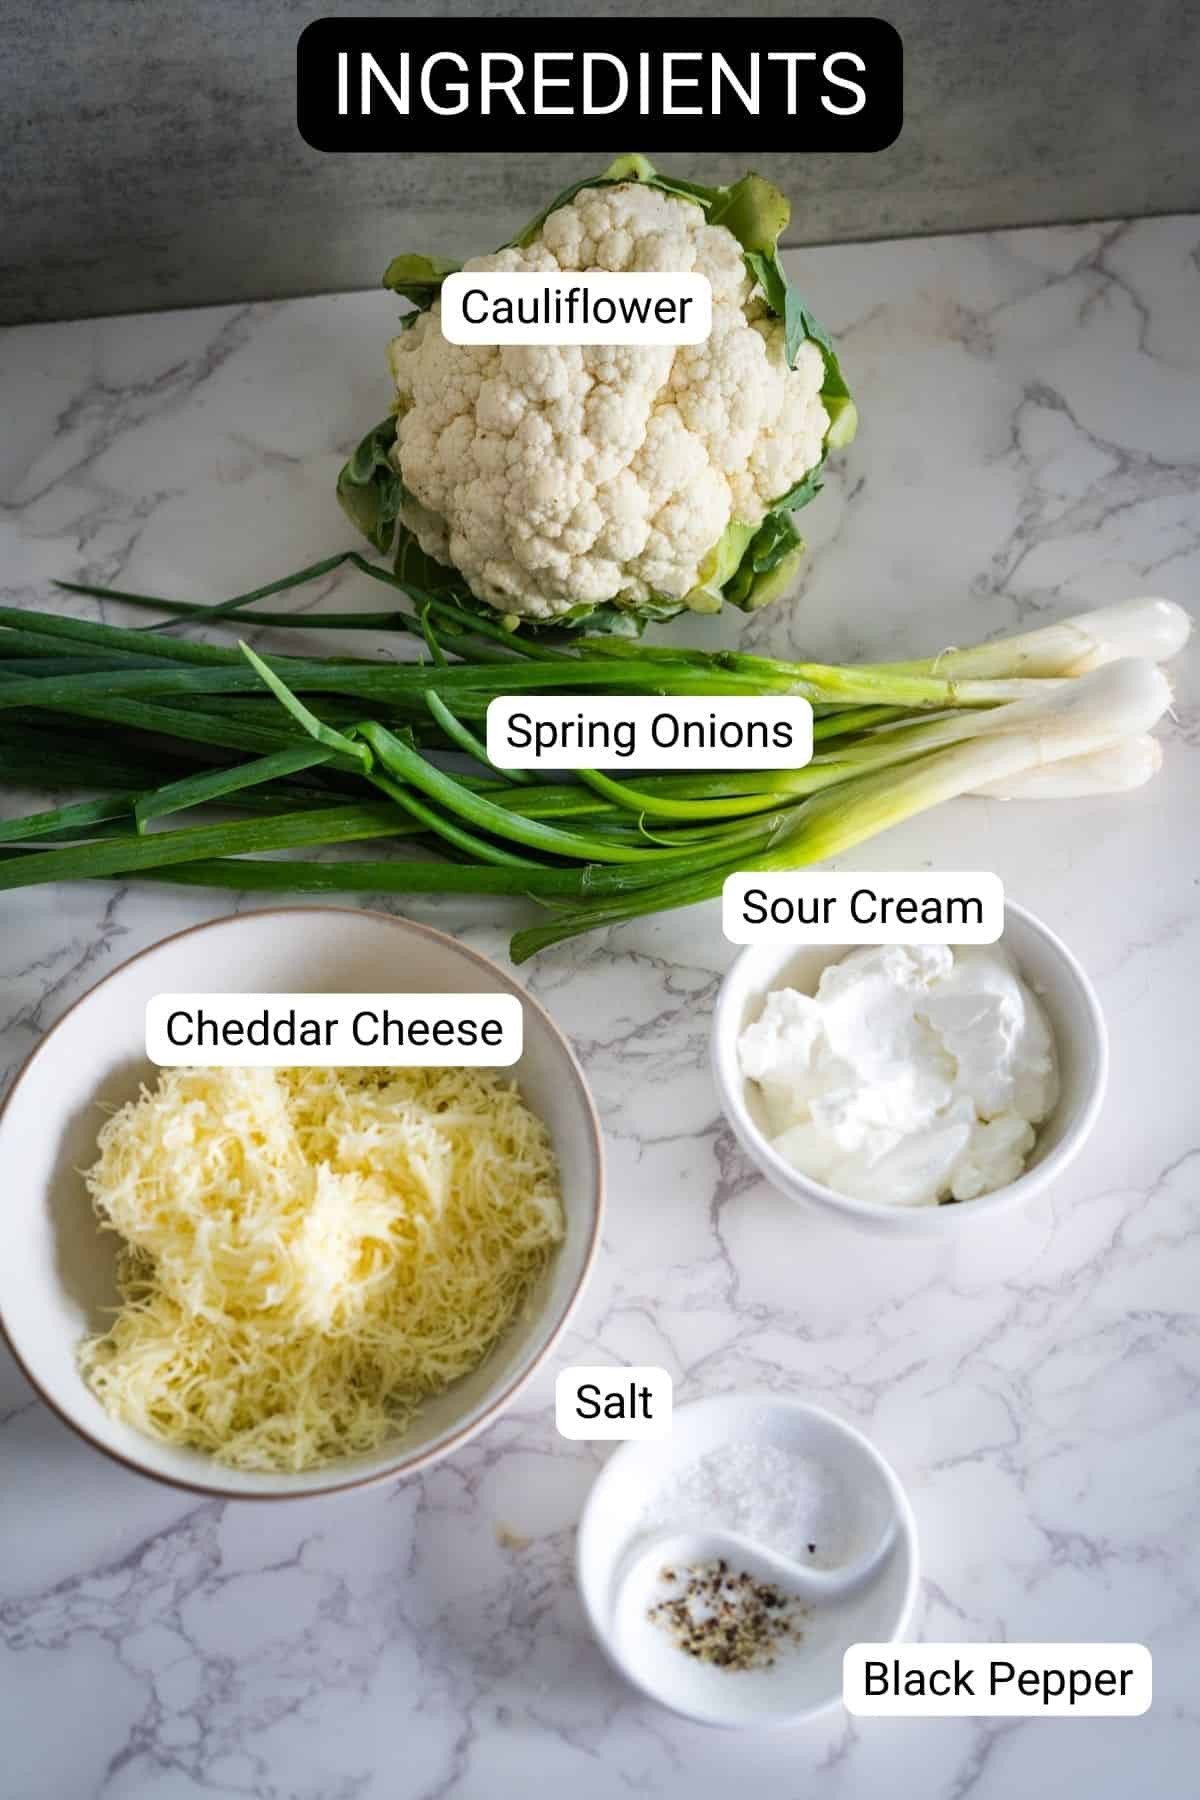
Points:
(151, 158)
(1028, 447)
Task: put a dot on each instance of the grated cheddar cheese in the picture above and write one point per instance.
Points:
(306, 1254)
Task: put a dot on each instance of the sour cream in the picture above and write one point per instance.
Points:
(916, 1074)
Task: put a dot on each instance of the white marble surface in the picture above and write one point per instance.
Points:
(1029, 445)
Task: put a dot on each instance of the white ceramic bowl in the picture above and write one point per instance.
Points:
(807, 1678)
(57, 1272)
(1075, 1018)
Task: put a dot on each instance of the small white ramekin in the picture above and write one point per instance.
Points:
(1076, 1020)
(877, 1610)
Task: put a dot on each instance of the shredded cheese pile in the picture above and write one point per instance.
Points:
(308, 1253)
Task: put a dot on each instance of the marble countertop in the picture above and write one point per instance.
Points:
(1029, 446)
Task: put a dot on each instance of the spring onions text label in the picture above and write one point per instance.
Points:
(900, 906)
(645, 731)
(334, 1030)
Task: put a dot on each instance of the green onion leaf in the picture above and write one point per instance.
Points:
(217, 784)
(324, 734)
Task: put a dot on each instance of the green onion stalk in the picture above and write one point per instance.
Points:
(309, 753)
(1121, 699)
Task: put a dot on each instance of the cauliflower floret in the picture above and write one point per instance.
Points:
(554, 476)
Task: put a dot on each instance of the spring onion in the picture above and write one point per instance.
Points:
(312, 752)
(1129, 763)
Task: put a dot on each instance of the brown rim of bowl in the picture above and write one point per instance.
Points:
(454, 1442)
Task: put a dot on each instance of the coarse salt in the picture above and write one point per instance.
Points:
(777, 1497)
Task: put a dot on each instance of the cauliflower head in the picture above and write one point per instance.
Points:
(559, 482)
(554, 476)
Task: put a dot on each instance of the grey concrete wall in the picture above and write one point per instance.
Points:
(150, 156)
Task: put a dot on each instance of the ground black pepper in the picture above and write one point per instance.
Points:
(725, 1617)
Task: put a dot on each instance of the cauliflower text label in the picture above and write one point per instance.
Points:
(594, 308)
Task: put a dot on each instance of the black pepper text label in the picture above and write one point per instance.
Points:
(559, 84)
